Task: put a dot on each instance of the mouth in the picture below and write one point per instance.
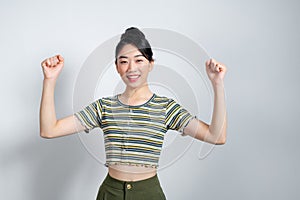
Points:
(133, 78)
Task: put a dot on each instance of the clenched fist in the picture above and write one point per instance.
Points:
(215, 71)
(52, 67)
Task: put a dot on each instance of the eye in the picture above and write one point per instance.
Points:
(139, 60)
(123, 61)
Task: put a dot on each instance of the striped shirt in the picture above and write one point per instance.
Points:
(133, 135)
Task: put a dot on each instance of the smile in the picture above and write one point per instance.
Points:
(133, 78)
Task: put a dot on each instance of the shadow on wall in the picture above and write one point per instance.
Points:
(47, 169)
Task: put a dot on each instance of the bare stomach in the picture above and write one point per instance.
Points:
(130, 173)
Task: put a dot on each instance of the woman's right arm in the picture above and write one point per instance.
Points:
(50, 127)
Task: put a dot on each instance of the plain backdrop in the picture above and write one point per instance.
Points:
(259, 42)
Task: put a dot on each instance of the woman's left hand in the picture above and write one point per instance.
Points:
(215, 71)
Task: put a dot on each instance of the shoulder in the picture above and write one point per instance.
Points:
(108, 100)
(162, 101)
(169, 103)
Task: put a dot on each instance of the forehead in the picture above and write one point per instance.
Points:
(129, 51)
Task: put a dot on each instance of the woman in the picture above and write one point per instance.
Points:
(134, 122)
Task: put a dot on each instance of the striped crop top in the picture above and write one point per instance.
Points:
(133, 135)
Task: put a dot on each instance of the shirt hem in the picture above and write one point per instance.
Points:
(154, 166)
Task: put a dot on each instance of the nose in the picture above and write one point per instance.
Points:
(132, 66)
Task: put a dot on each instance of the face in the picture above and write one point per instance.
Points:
(133, 67)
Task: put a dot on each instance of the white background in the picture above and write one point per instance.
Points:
(257, 40)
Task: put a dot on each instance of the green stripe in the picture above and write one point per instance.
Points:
(144, 122)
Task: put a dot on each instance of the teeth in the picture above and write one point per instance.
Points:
(133, 76)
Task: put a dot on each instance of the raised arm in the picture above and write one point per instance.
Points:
(50, 127)
(215, 133)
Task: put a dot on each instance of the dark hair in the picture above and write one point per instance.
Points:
(136, 38)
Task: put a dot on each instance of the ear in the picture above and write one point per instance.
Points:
(151, 65)
(117, 67)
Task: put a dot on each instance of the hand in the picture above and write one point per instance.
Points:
(52, 67)
(215, 71)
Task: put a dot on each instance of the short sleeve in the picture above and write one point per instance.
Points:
(177, 118)
(90, 116)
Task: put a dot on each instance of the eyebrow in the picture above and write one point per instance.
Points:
(127, 57)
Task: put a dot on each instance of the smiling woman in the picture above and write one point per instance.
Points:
(135, 121)
(133, 67)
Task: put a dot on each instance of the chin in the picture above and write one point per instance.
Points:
(134, 85)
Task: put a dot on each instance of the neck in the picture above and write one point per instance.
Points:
(135, 93)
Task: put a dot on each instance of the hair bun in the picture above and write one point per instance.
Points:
(133, 32)
(133, 36)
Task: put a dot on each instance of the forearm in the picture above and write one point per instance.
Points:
(217, 128)
(215, 133)
(47, 108)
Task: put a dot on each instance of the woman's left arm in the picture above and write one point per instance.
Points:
(215, 133)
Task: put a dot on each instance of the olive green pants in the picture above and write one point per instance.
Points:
(113, 189)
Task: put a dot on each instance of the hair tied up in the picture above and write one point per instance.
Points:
(132, 32)
(135, 37)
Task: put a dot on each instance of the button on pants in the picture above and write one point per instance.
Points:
(148, 189)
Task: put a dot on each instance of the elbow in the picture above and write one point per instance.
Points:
(222, 140)
(217, 139)
(46, 135)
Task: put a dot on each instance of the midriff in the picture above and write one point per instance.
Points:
(131, 173)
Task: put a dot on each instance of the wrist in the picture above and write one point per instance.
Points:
(49, 80)
(218, 85)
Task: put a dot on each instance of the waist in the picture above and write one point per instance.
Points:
(137, 185)
(130, 173)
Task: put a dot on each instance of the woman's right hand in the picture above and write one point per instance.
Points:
(52, 67)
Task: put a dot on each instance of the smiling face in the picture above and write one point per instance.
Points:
(133, 67)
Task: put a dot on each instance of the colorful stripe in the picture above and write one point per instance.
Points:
(134, 134)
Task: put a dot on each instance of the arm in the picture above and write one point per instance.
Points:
(215, 133)
(50, 127)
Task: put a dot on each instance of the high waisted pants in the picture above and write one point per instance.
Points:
(113, 189)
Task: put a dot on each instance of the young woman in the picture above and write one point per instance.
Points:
(134, 122)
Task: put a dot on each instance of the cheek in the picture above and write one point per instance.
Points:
(121, 70)
(145, 68)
